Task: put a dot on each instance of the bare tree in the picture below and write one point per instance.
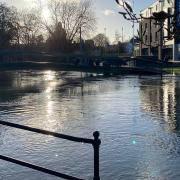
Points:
(19, 28)
(7, 25)
(29, 27)
(72, 15)
(101, 40)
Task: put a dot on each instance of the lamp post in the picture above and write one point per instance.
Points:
(80, 34)
(132, 17)
(150, 34)
(133, 32)
(177, 28)
(161, 34)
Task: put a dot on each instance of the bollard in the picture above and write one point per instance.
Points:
(96, 146)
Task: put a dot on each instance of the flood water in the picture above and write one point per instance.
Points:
(138, 118)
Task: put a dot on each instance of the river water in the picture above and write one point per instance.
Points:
(138, 118)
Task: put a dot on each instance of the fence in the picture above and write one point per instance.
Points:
(94, 142)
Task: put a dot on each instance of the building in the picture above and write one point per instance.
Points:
(151, 34)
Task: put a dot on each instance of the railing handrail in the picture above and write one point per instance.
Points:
(95, 142)
(38, 168)
(49, 133)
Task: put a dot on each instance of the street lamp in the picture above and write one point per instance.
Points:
(128, 15)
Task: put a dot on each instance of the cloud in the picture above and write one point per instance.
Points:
(108, 12)
(20, 3)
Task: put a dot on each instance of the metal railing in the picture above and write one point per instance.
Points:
(94, 142)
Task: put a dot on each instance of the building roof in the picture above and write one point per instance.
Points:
(151, 5)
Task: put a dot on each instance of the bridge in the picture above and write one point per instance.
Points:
(85, 63)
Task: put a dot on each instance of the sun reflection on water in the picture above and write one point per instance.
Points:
(49, 75)
(51, 83)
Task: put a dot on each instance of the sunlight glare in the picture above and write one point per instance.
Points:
(49, 76)
(45, 14)
(134, 142)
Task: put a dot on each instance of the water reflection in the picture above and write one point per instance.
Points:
(160, 99)
(138, 120)
(51, 81)
(169, 101)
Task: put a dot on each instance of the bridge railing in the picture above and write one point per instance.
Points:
(94, 142)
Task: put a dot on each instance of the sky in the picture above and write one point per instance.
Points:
(108, 19)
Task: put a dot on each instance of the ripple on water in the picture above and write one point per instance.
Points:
(138, 119)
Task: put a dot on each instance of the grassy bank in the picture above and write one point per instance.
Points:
(175, 70)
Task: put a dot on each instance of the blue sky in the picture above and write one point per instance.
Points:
(107, 15)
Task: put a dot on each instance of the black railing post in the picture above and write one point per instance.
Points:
(95, 142)
(96, 146)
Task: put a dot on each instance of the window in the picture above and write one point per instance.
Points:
(156, 36)
(150, 11)
(156, 7)
(146, 26)
(169, 28)
(156, 24)
(146, 38)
